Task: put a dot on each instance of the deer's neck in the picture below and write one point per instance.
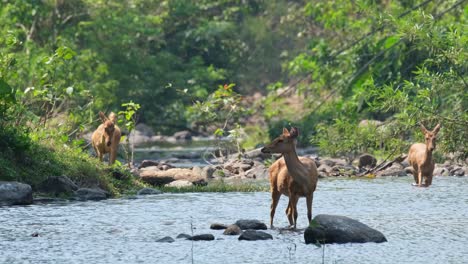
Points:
(428, 156)
(295, 167)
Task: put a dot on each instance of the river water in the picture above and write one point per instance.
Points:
(422, 225)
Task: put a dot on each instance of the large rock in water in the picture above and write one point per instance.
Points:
(328, 229)
(251, 224)
(253, 235)
(15, 193)
(57, 185)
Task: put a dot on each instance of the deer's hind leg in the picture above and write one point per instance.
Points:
(289, 212)
(309, 200)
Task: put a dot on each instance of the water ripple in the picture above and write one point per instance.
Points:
(422, 225)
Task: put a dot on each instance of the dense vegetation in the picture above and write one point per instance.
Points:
(321, 65)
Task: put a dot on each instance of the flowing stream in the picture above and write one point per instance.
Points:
(422, 225)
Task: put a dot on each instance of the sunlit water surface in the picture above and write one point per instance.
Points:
(422, 225)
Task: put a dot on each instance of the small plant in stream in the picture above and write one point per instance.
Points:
(130, 120)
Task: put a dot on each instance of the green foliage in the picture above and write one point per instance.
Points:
(410, 71)
(130, 120)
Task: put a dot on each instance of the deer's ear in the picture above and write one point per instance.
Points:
(103, 116)
(285, 132)
(294, 132)
(423, 129)
(436, 129)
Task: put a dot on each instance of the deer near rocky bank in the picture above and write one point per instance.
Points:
(420, 157)
(106, 138)
(291, 175)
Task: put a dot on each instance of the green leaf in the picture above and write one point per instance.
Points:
(390, 41)
(6, 92)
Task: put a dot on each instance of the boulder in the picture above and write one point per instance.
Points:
(251, 224)
(183, 236)
(166, 239)
(395, 170)
(183, 135)
(409, 170)
(327, 229)
(367, 161)
(253, 235)
(154, 165)
(15, 193)
(179, 184)
(57, 185)
(202, 237)
(325, 168)
(85, 194)
(164, 177)
(237, 166)
(259, 171)
(217, 226)
(343, 170)
(457, 171)
(441, 171)
(232, 230)
(148, 163)
(148, 191)
(207, 172)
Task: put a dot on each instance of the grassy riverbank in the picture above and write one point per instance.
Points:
(32, 161)
(221, 186)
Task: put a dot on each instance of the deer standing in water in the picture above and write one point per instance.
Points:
(420, 157)
(106, 138)
(291, 175)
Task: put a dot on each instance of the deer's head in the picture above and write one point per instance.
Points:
(286, 142)
(430, 136)
(109, 128)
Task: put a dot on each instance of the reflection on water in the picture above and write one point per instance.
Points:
(421, 225)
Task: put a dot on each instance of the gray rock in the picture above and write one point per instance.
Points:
(253, 235)
(394, 170)
(457, 171)
(148, 163)
(183, 236)
(57, 185)
(251, 224)
(15, 193)
(232, 230)
(218, 226)
(166, 239)
(207, 172)
(440, 171)
(367, 160)
(409, 170)
(340, 229)
(179, 184)
(236, 166)
(257, 172)
(202, 237)
(148, 191)
(85, 194)
(325, 168)
(183, 135)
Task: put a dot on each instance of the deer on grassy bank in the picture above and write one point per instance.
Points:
(420, 157)
(291, 175)
(106, 138)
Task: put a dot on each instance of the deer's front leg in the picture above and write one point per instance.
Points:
(419, 177)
